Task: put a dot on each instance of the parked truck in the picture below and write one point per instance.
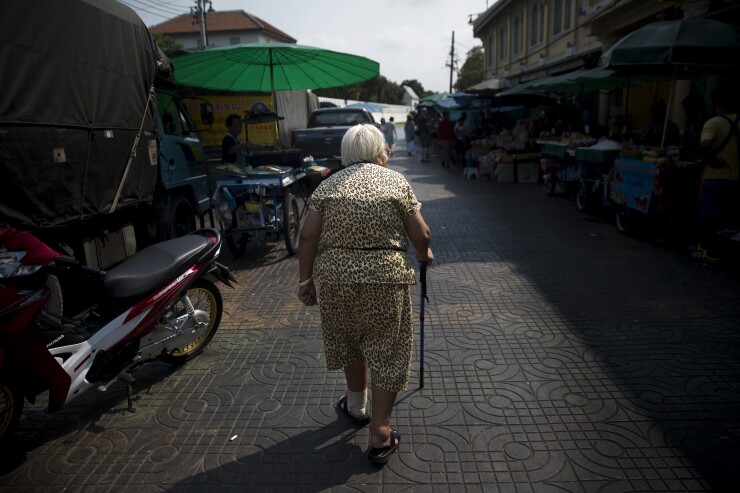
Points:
(97, 155)
(322, 139)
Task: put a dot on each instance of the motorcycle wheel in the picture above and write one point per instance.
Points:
(209, 306)
(11, 406)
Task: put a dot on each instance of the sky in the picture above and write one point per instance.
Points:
(411, 39)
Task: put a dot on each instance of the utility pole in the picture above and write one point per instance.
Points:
(199, 12)
(452, 59)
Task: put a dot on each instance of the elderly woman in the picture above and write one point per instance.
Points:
(353, 242)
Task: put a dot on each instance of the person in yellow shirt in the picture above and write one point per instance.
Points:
(720, 193)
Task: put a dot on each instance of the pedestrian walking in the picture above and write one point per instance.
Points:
(390, 134)
(423, 123)
(364, 278)
(446, 138)
(460, 144)
(409, 131)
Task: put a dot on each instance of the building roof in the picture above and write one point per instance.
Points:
(228, 20)
(410, 91)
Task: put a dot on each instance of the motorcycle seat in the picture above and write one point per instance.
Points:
(153, 267)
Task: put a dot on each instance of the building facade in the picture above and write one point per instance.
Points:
(225, 28)
(525, 40)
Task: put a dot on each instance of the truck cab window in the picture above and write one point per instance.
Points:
(174, 121)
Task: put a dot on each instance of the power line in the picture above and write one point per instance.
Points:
(138, 9)
(157, 12)
(160, 6)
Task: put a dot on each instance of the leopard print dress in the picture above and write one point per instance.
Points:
(364, 273)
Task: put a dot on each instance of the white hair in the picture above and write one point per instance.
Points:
(363, 143)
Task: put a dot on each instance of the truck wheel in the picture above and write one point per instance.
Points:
(291, 223)
(182, 217)
(11, 405)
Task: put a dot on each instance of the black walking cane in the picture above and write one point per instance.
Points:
(423, 278)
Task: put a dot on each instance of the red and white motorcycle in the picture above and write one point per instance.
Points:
(157, 304)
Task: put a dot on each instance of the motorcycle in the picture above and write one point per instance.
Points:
(157, 304)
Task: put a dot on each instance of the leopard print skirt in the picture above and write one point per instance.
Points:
(370, 322)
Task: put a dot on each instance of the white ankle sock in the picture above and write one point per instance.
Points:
(357, 402)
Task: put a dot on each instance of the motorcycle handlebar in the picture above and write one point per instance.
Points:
(70, 264)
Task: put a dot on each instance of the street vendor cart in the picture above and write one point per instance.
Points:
(256, 202)
(664, 194)
(559, 168)
(595, 167)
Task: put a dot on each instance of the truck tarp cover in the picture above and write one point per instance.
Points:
(75, 77)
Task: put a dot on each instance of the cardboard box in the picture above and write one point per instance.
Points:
(505, 172)
(527, 171)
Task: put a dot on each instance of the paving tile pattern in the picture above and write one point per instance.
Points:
(560, 356)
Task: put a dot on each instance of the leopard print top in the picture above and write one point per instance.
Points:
(363, 237)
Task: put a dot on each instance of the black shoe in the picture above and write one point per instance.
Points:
(342, 406)
(381, 455)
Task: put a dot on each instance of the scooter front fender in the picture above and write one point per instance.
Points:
(26, 353)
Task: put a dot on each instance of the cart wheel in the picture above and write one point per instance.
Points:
(582, 202)
(549, 184)
(624, 220)
(291, 223)
(235, 240)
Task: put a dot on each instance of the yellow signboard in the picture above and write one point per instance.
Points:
(223, 106)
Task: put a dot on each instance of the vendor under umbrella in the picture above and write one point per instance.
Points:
(652, 134)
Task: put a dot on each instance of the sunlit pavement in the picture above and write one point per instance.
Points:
(559, 356)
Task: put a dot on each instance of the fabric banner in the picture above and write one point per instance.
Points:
(223, 106)
(633, 183)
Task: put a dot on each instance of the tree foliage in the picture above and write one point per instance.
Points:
(378, 89)
(472, 70)
(167, 43)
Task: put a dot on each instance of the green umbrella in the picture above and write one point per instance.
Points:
(269, 67)
(683, 48)
(592, 80)
(686, 43)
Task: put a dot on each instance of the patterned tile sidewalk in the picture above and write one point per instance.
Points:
(560, 356)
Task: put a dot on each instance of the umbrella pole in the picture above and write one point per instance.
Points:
(423, 282)
(668, 107)
(274, 101)
(626, 111)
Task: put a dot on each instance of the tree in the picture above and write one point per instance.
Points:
(378, 90)
(166, 43)
(472, 70)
